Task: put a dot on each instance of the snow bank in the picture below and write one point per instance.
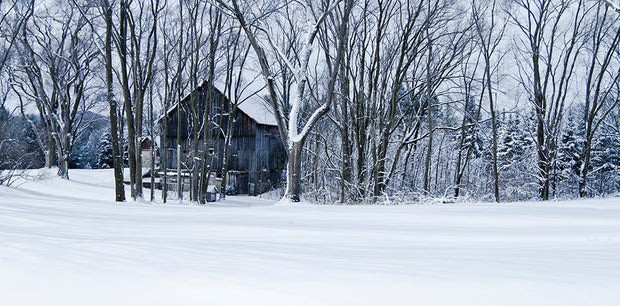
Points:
(67, 243)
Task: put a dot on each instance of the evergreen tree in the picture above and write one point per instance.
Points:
(105, 157)
(85, 150)
(515, 154)
(80, 155)
(19, 148)
(605, 164)
(473, 138)
(514, 142)
(568, 163)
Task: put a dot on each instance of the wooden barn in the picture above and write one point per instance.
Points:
(256, 155)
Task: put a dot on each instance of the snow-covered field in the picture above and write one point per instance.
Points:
(67, 243)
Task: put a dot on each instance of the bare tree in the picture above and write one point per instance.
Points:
(339, 117)
(551, 43)
(172, 37)
(435, 36)
(387, 41)
(602, 78)
(144, 42)
(472, 105)
(106, 10)
(490, 32)
(119, 186)
(179, 92)
(294, 137)
(12, 16)
(195, 13)
(136, 68)
(55, 73)
(210, 110)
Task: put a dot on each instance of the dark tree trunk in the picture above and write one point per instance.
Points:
(138, 144)
(293, 174)
(494, 128)
(152, 135)
(179, 108)
(116, 150)
(429, 114)
(164, 158)
(131, 132)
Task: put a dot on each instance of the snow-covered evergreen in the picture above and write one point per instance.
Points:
(105, 157)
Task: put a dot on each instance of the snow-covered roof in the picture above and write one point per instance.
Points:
(259, 110)
(252, 104)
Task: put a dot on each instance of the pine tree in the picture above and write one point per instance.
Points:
(567, 166)
(515, 159)
(473, 138)
(606, 164)
(105, 157)
(513, 143)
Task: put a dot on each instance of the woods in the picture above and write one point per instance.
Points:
(381, 101)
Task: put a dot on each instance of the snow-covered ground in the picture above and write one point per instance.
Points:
(67, 243)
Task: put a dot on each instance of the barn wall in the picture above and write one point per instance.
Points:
(257, 155)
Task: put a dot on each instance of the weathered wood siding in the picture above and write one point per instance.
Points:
(257, 155)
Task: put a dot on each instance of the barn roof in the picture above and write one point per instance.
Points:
(258, 109)
(252, 105)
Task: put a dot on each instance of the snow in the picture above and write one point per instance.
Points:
(251, 103)
(259, 110)
(68, 243)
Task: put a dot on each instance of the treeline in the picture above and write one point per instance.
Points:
(21, 148)
(383, 100)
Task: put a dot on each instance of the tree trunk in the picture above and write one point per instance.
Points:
(195, 162)
(50, 152)
(494, 128)
(138, 144)
(207, 161)
(164, 158)
(346, 166)
(225, 153)
(131, 133)
(543, 175)
(347, 171)
(207, 119)
(293, 174)
(116, 149)
(179, 108)
(315, 167)
(63, 164)
(179, 176)
(290, 136)
(65, 148)
(429, 114)
(152, 134)
(225, 159)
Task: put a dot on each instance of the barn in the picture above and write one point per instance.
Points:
(256, 156)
